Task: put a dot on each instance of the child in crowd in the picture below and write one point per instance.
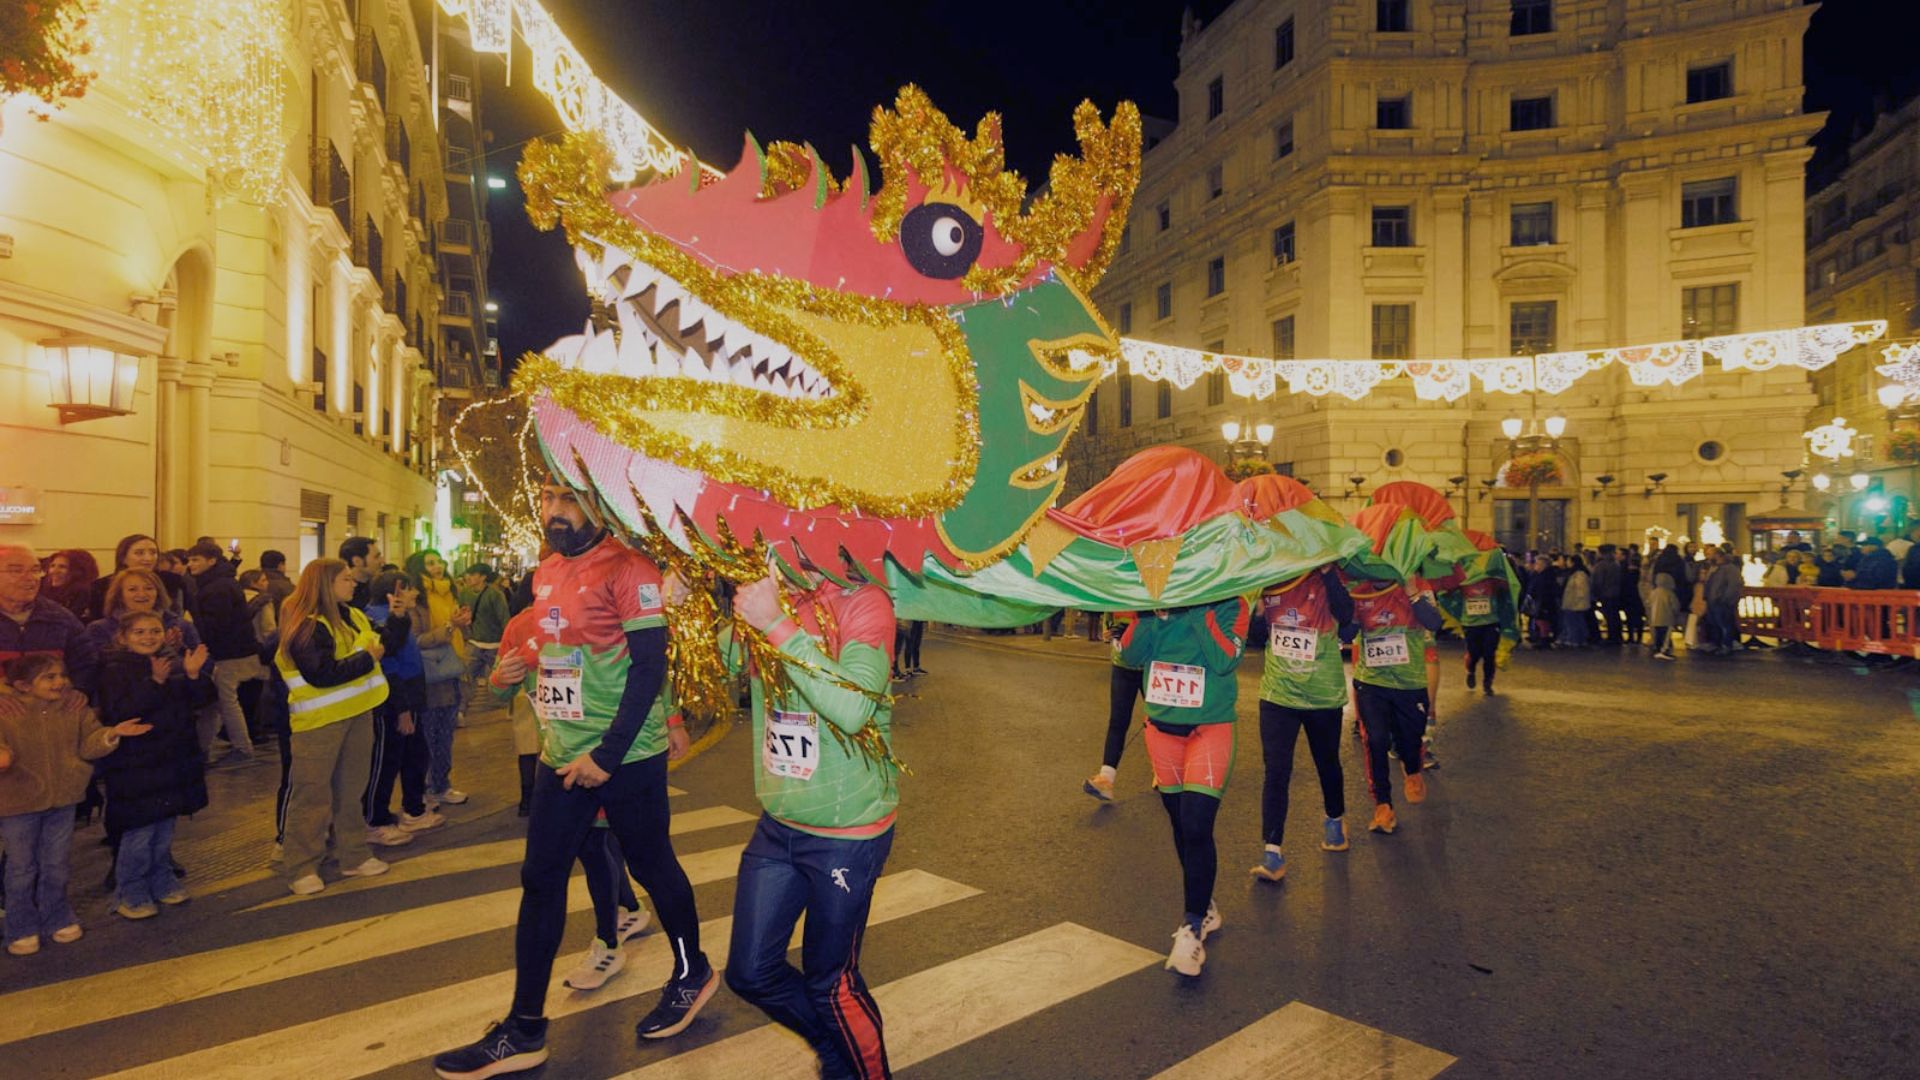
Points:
(399, 746)
(48, 734)
(158, 776)
(260, 604)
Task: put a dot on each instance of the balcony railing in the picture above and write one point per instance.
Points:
(457, 87)
(456, 231)
(459, 305)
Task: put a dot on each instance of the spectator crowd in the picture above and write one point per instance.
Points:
(123, 687)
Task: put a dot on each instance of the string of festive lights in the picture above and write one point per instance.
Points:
(1669, 363)
(518, 510)
(584, 102)
(206, 74)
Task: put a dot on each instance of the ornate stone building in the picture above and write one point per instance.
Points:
(239, 216)
(1862, 263)
(1408, 179)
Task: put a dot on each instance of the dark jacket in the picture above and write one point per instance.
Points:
(1910, 568)
(1607, 577)
(280, 585)
(1876, 570)
(1673, 564)
(220, 612)
(158, 775)
(272, 710)
(1827, 573)
(406, 672)
(490, 614)
(51, 628)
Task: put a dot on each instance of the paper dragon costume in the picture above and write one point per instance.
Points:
(877, 384)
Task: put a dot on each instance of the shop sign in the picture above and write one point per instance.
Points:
(19, 506)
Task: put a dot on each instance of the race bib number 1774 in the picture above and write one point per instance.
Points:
(1180, 686)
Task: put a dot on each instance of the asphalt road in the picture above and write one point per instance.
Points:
(1625, 869)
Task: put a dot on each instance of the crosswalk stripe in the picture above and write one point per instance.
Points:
(1303, 1043)
(129, 990)
(935, 1010)
(497, 853)
(380, 1036)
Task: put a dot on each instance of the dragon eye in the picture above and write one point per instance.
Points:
(940, 240)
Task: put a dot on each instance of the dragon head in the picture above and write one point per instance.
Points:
(842, 373)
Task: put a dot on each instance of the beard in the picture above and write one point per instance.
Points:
(570, 540)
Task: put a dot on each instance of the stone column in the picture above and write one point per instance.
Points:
(1645, 314)
(197, 384)
(169, 517)
(1447, 272)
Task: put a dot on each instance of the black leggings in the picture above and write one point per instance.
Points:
(1122, 687)
(395, 757)
(1279, 730)
(607, 883)
(916, 630)
(1483, 645)
(1192, 814)
(559, 826)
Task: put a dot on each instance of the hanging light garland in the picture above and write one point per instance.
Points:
(206, 74)
(1668, 363)
(584, 102)
(518, 509)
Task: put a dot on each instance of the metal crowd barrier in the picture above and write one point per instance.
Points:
(1874, 621)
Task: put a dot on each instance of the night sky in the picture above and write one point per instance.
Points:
(707, 73)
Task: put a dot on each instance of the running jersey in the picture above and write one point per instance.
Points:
(1303, 668)
(1477, 603)
(574, 641)
(806, 776)
(1392, 648)
(1190, 656)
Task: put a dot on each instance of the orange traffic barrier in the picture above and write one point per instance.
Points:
(1876, 621)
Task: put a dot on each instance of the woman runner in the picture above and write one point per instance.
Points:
(1190, 656)
(1302, 686)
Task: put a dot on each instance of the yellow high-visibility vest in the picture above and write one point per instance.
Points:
(310, 707)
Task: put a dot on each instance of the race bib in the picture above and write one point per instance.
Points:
(1479, 605)
(1301, 645)
(792, 747)
(1387, 650)
(1180, 686)
(557, 696)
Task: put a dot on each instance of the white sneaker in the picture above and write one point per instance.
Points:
(26, 946)
(279, 855)
(1188, 955)
(388, 836)
(371, 868)
(68, 934)
(630, 923)
(452, 797)
(1212, 922)
(307, 886)
(596, 967)
(427, 820)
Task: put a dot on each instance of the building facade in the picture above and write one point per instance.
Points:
(253, 229)
(1862, 263)
(1438, 179)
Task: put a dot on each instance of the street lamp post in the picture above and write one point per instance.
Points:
(1524, 438)
(1245, 440)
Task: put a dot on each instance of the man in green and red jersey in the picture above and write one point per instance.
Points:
(1390, 663)
(594, 660)
(1480, 623)
(1302, 686)
(1123, 686)
(1190, 656)
(827, 825)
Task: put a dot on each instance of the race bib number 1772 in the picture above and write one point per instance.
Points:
(1180, 686)
(792, 747)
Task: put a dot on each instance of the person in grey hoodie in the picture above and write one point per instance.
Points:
(1723, 586)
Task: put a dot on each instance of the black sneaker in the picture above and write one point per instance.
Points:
(503, 1049)
(1469, 678)
(679, 1003)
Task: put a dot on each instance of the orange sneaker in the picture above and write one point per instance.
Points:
(1416, 788)
(1099, 787)
(1383, 819)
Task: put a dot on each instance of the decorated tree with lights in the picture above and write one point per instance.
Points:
(1529, 469)
(42, 48)
(490, 442)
